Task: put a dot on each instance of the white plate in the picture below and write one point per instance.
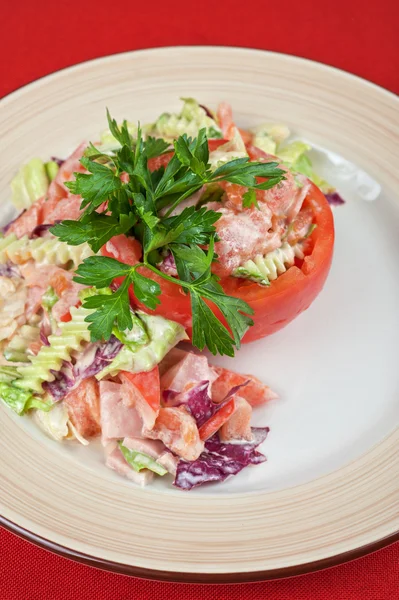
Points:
(335, 366)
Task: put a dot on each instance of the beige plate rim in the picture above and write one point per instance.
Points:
(213, 578)
(201, 576)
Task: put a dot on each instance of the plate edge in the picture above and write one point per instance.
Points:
(208, 578)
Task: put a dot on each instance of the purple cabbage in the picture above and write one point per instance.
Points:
(93, 360)
(9, 270)
(59, 161)
(41, 230)
(198, 401)
(43, 337)
(208, 112)
(63, 382)
(335, 199)
(103, 354)
(220, 460)
(168, 265)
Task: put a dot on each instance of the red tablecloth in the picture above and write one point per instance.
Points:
(39, 37)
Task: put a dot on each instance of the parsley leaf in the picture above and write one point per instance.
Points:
(249, 199)
(193, 226)
(155, 147)
(208, 331)
(110, 309)
(95, 229)
(100, 271)
(121, 134)
(146, 290)
(95, 188)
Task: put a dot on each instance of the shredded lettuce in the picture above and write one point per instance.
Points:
(295, 156)
(55, 422)
(162, 334)
(52, 169)
(8, 374)
(49, 299)
(21, 401)
(140, 460)
(30, 184)
(190, 120)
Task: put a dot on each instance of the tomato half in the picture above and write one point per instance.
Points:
(286, 297)
(276, 305)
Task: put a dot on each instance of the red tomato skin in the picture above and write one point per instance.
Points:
(127, 250)
(148, 384)
(219, 418)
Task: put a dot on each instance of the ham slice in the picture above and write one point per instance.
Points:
(238, 426)
(118, 420)
(169, 461)
(173, 357)
(188, 372)
(153, 448)
(71, 165)
(116, 461)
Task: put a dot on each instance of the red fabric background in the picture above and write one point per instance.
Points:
(40, 37)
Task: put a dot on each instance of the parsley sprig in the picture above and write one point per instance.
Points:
(142, 204)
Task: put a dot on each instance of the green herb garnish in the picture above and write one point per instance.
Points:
(134, 206)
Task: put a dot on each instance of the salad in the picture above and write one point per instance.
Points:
(187, 228)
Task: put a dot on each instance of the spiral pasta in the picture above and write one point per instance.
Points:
(50, 358)
(45, 251)
(13, 295)
(20, 342)
(264, 269)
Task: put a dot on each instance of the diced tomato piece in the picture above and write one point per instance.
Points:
(238, 426)
(177, 429)
(225, 119)
(27, 220)
(60, 281)
(217, 420)
(299, 228)
(142, 390)
(247, 136)
(123, 248)
(65, 208)
(83, 405)
(255, 392)
(66, 318)
(148, 385)
(157, 162)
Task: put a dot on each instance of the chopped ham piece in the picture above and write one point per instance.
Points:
(169, 461)
(116, 461)
(66, 208)
(173, 356)
(242, 235)
(84, 408)
(71, 165)
(34, 300)
(238, 426)
(189, 371)
(118, 420)
(153, 448)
